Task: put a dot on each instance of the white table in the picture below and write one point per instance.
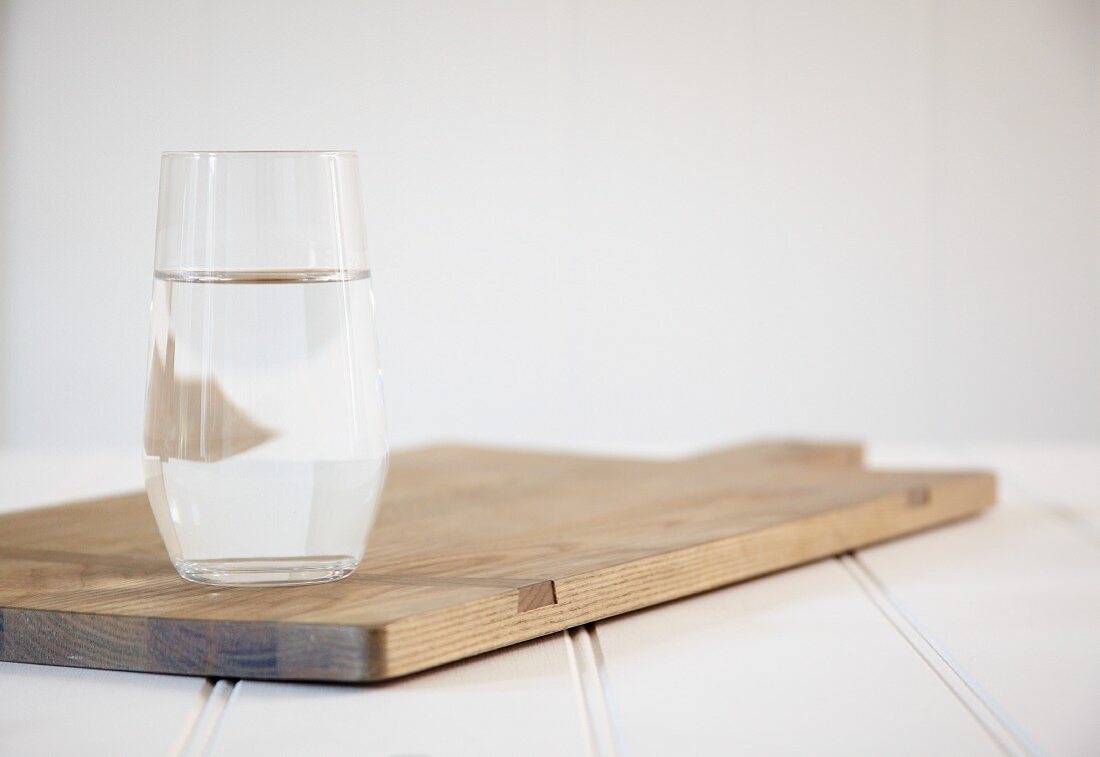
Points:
(977, 638)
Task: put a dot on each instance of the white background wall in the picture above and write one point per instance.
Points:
(645, 225)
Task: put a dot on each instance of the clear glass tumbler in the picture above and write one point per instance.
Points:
(265, 443)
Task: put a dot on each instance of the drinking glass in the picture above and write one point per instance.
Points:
(265, 443)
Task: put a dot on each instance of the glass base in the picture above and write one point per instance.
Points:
(271, 571)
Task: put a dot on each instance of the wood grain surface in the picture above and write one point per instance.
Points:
(474, 549)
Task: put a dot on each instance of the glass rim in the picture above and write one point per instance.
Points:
(243, 153)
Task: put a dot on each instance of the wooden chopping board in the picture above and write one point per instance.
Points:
(474, 549)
